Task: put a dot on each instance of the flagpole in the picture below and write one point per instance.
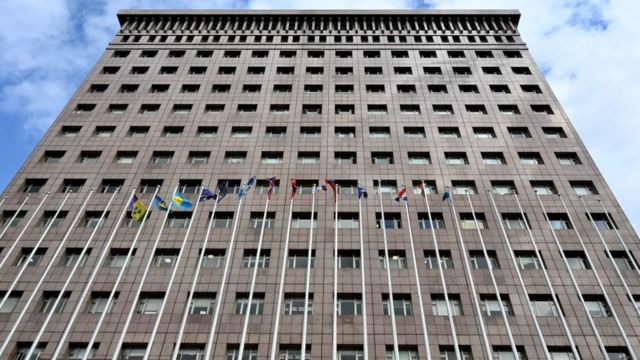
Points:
(417, 275)
(276, 328)
(46, 271)
(519, 273)
(396, 350)
(494, 283)
(601, 345)
(362, 283)
(599, 281)
(305, 316)
(30, 257)
(335, 272)
(185, 315)
(463, 250)
(3, 200)
(442, 280)
(26, 226)
(247, 315)
(574, 350)
(132, 309)
(173, 276)
(88, 286)
(220, 296)
(15, 215)
(621, 240)
(75, 268)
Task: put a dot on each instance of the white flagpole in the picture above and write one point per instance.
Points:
(30, 257)
(394, 330)
(185, 315)
(606, 248)
(134, 304)
(547, 279)
(573, 280)
(70, 322)
(112, 294)
(417, 275)
(3, 200)
(75, 268)
(600, 284)
(442, 280)
(365, 335)
(518, 272)
(305, 316)
(624, 245)
(256, 265)
(465, 255)
(26, 226)
(220, 295)
(494, 283)
(335, 275)
(34, 292)
(15, 215)
(276, 327)
(176, 266)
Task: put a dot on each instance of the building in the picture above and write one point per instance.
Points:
(533, 256)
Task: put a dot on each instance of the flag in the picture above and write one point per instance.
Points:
(362, 192)
(272, 184)
(246, 187)
(402, 194)
(331, 182)
(446, 196)
(422, 190)
(294, 188)
(207, 195)
(321, 188)
(159, 204)
(181, 201)
(138, 210)
(223, 188)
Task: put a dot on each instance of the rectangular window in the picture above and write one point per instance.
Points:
(419, 158)
(439, 305)
(436, 221)
(11, 301)
(202, 304)
(391, 220)
(198, 157)
(235, 157)
(577, 260)
(528, 260)
(559, 221)
(431, 259)
(490, 305)
(302, 220)
(49, 218)
(100, 300)
(543, 305)
(515, 221)
(298, 259)
(165, 258)
(241, 131)
(49, 300)
(456, 158)
(89, 157)
(568, 158)
(149, 303)
(401, 305)
(207, 131)
(597, 306)
(178, 220)
(397, 259)
(161, 157)
(349, 304)
(213, 258)
(493, 158)
(242, 304)
(348, 259)
(478, 260)
(282, 88)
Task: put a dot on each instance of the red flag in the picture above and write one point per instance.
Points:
(272, 184)
(332, 182)
(402, 194)
(294, 188)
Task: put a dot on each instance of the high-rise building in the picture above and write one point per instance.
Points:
(518, 250)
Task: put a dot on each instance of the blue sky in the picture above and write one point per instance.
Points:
(586, 49)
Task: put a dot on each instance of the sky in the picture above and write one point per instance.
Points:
(586, 49)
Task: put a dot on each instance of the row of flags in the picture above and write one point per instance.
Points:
(139, 210)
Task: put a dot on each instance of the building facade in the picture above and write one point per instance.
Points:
(509, 245)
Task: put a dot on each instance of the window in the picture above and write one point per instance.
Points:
(100, 300)
(456, 158)
(476, 109)
(247, 108)
(542, 109)
(149, 303)
(315, 54)
(348, 259)
(178, 220)
(181, 108)
(235, 157)
(133, 351)
(202, 303)
(213, 108)
(191, 352)
(259, 54)
(204, 54)
(176, 53)
(161, 157)
(89, 157)
(223, 220)
(503, 187)
(84, 108)
(371, 54)
(531, 89)
(110, 70)
(11, 301)
(294, 304)
(410, 109)
(382, 158)
(350, 353)
(22, 349)
(242, 304)
(349, 304)
(375, 89)
(437, 89)
(414, 132)
(515, 221)
(222, 88)
(121, 54)
(440, 109)
(345, 132)
(279, 108)
(126, 157)
(226, 70)
(491, 70)
(402, 70)
(213, 258)
(128, 88)
(298, 259)
(617, 353)
(436, 219)
(255, 219)
(568, 158)
(293, 352)
(500, 89)
(493, 158)
(250, 257)
(431, 259)
(601, 221)
(543, 305)
(505, 353)
(345, 157)
(345, 89)
(69, 131)
(93, 219)
(285, 70)
(559, 221)
(461, 70)
(490, 305)
(138, 131)
(439, 305)
(379, 132)
(189, 88)
(400, 54)
(543, 187)
(117, 108)
(139, 70)
(462, 187)
(419, 158)
(77, 351)
(622, 260)
(577, 260)
(468, 88)
(530, 158)
(49, 300)
(372, 70)
(521, 70)
(401, 305)
(397, 259)
(49, 218)
(554, 133)
(428, 54)
(597, 306)
(198, 157)
(280, 88)
(479, 261)
(386, 186)
(165, 258)
(302, 220)
(529, 260)
(377, 109)
(449, 353)
(271, 157)
(207, 131)
(31, 260)
(11, 218)
(315, 109)
(241, 131)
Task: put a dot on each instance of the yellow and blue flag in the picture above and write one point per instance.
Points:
(138, 210)
(159, 203)
(181, 201)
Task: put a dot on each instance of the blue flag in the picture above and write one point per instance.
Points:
(246, 187)
(207, 195)
(362, 192)
(181, 201)
(446, 196)
(159, 204)
(222, 191)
